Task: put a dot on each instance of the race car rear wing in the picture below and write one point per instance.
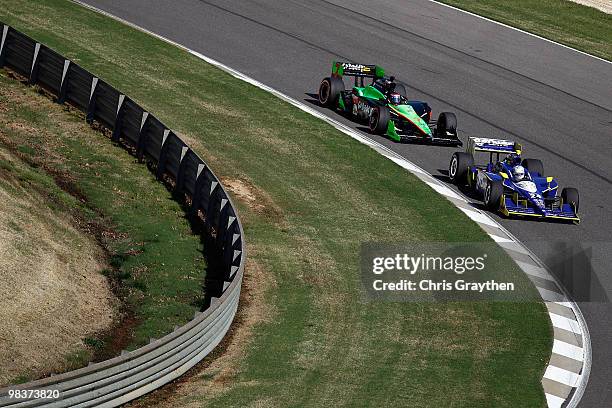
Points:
(484, 144)
(357, 70)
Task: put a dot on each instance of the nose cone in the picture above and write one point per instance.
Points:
(409, 113)
(538, 201)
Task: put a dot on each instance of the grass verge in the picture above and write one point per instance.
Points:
(307, 200)
(155, 263)
(575, 25)
(49, 273)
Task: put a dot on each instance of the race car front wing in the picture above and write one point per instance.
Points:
(511, 206)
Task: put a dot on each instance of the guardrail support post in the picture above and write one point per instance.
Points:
(34, 67)
(143, 137)
(161, 163)
(224, 222)
(212, 197)
(180, 176)
(118, 119)
(5, 30)
(63, 88)
(91, 106)
(228, 238)
(235, 245)
(197, 191)
(233, 271)
(237, 253)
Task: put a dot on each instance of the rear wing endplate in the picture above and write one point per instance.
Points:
(357, 70)
(484, 144)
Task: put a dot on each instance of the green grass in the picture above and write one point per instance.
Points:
(581, 27)
(78, 359)
(318, 196)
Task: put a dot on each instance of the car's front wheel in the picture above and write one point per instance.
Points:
(379, 120)
(446, 126)
(459, 167)
(492, 195)
(570, 196)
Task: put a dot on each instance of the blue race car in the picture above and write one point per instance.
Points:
(512, 186)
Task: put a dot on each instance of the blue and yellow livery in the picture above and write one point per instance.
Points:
(511, 185)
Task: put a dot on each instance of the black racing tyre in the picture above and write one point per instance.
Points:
(570, 195)
(492, 194)
(535, 167)
(401, 89)
(379, 120)
(329, 91)
(447, 122)
(459, 167)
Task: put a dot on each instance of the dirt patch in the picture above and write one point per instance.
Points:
(216, 108)
(255, 310)
(244, 192)
(254, 198)
(219, 372)
(603, 5)
(52, 295)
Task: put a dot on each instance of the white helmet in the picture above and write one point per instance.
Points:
(518, 173)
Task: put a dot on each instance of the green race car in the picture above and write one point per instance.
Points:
(384, 106)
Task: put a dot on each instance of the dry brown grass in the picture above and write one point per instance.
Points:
(51, 292)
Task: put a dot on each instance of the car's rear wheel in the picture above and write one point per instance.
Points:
(329, 91)
(535, 167)
(447, 125)
(379, 120)
(570, 196)
(492, 194)
(459, 167)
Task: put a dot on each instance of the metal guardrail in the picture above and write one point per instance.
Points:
(116, 381)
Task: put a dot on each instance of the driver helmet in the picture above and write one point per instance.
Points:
(395, 98)
(518, 173)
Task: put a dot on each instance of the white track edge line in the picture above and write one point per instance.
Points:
(385, 151)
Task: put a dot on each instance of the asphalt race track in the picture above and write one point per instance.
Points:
(499, 82)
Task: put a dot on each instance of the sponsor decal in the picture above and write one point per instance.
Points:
(356, 67)
(479, 141)
(364, 108)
